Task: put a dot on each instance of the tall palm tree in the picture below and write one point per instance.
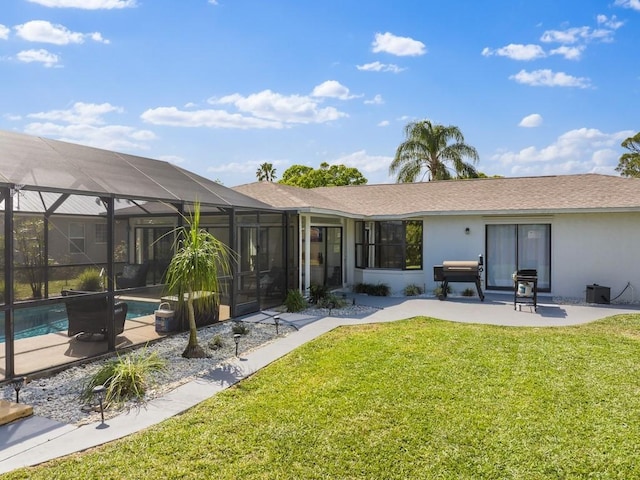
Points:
(427, 147)
(194, 271)
(266, 172)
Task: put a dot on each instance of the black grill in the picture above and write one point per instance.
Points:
(459, 271)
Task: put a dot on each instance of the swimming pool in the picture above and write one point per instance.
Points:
(31, 322)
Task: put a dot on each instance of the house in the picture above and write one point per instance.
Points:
(575, 230)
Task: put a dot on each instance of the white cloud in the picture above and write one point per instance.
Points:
(234, 167)
(548, 78)
(570, 53)
(204, 118)
(213, 2)
(84, 123)
(110, 137)
(80, 113)
(531, 121)
(633, 4)
(584, 150)
(380, 67)
(87, 4)
(364, 162)
(516, 51)
(278, 108)
(46, 32)
(377, 100)
(611, 22)
(400, 46)
(332, 89)
(584, 34)
(384, 123)
(4, 32)
(43, 56)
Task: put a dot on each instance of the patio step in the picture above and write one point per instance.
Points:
(10, 411)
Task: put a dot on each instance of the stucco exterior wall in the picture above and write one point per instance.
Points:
(596, 248)
(586, 249)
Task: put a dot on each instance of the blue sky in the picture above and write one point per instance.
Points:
(539, 87)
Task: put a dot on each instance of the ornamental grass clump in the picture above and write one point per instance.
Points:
(125, 377)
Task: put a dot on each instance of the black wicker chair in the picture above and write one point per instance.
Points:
(90, 315)
(133, 275)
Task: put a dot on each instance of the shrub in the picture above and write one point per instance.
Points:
(318, 293)
(124, 377)
(216, 343)
(378, 290)
(468, 292)
(90, 280)
(412, 290)
(239, 327)
(332, 301)
(438, 290)
(295, 302)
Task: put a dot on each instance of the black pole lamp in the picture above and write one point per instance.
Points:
(276, 320)
(236, 338)
(99, 392)
(17, 384)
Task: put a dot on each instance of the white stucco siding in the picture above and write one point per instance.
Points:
(446, 239)
(599, 249)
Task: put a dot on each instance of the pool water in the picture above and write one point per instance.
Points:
(31, 322)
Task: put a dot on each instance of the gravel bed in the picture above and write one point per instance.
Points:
(58, 397)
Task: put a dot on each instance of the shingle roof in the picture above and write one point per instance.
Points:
(519, 195)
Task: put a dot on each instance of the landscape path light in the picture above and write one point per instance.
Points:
(236, 338)
(99, 392)
(276, 320)
(17, 384)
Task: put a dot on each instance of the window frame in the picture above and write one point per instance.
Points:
(374, 239)
(76, 248)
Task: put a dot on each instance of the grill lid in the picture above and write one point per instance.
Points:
(460, 266)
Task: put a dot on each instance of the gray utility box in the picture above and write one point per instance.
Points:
(598, 294)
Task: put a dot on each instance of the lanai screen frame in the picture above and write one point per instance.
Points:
(36, 164)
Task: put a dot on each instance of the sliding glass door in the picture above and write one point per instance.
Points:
(516, 247)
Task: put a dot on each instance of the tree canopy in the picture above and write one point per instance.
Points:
(325, 176)
(629, 164)
(266, 172)
(435, 149)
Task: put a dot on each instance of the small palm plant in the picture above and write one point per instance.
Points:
(195, 269)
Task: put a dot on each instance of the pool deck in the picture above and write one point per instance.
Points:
(55, 349)
(50, 351)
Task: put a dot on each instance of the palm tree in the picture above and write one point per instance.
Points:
(266, 172)
(194, 272)
(427, 146)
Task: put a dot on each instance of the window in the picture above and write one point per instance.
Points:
(101, 233)
(76, 238)
(517, 247)
(396, 245)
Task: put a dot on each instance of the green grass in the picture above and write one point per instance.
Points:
(416, 399)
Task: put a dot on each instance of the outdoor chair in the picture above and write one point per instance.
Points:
(90, 315)
(133, 275)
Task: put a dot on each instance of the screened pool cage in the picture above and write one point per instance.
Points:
(83, 226)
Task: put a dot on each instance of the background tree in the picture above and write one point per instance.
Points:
(28, 234)
(266, 172)
(325, 176)
(629, 164)
(195, 269)
(436, 149)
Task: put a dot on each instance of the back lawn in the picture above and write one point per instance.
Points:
(416, 399)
